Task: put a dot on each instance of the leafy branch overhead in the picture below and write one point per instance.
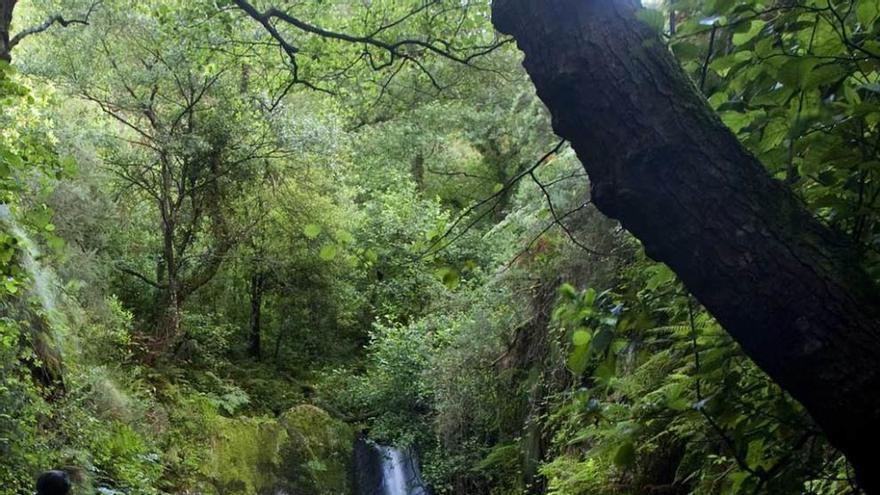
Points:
(9, 41)
(384, 43)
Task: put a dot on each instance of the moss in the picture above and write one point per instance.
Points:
(245, 455)
(305, 451)
(319, 452)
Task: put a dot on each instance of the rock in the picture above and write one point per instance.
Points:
(303, 452)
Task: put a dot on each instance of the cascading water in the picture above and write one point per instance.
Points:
(43, 281)
(383, 470)
(45, 324)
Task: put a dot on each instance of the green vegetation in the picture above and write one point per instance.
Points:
(229, 244)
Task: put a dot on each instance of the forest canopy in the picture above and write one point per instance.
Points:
(561, 247)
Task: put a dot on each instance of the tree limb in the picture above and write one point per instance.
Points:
(49, 22)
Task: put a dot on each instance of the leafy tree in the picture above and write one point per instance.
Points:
(180, 156)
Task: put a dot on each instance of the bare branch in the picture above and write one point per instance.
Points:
(558, 220)
(138, 275)
(495, 196)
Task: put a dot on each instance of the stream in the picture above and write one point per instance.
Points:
(383, 470)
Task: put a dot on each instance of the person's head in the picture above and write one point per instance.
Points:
(53, 483)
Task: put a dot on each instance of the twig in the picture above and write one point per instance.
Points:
(495, 196)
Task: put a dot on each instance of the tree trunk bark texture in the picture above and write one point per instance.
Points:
(787, 288)
(6, 8)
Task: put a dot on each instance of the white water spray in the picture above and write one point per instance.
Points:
(43, 281)
(384, 470)
(400, 474)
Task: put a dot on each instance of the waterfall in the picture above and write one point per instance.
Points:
(43, 281)
(384, 470)
(47, 324)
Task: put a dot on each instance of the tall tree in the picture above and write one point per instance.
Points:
(188, 141)
(787, 288)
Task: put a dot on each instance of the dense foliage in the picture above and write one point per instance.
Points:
(220, 263)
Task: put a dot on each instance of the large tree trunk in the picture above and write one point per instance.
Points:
(6, 8)
(788, 289)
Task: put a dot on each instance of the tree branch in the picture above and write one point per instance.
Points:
(138, 275)
(495, 196)
(49, 22)
(397, 50)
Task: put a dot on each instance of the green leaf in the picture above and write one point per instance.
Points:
(328, 252)
(738, 121)
(867, 12)
(590, 297)
(601, 341)
(54, 242)
(755, 27)
(568, 291)
(794, 72)
(344, 237)
(312, 231)
(723, 64)
(371, 255)
(578, 359)
(824, 75)
(719, 6)
(68, 165)
(451, 278)
(581, 337)
(10, 158)
(755, 453)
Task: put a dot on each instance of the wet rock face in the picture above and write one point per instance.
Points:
(367, 477)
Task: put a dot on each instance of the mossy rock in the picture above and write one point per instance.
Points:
(318, 453)
(305, 451)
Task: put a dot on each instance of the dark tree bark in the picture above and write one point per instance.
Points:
(6, 8)
(788, 289)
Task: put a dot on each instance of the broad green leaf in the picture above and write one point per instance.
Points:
(344, 237)
(581, 337)
(794, 72)
(328, 252)
(754, 28)
(755, 453)
(578, 359)
(568, 291)
(867, 12)
(312, 231)
(590, 297)
(601, 341)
